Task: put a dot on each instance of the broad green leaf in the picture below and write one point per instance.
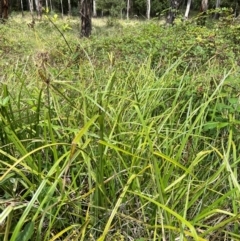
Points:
(27, 232)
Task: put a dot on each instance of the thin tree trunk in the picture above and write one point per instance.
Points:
(31, 8)
(37, 7)
(69, 8)
(40, 9)
(236, 10)
(204, 5)
(1, 10)
(5, 9)
(4, 4)
(61, 7)
(174, 5)
(204, 8)
(51, 7)
(217, 14)
(148, 8)
(128, 7)
(46, 5)
(187, 9)
(21, 2)
(86, 17)
(94, 9)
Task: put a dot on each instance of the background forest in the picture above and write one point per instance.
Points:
(116, 8)
(130, 134)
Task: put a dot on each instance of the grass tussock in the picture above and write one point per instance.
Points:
(132, 134)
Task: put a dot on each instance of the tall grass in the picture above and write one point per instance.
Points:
(105, 145)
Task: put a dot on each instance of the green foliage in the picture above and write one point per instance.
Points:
(138, 7)
(114, 7)
(131, 134)
(27, 233)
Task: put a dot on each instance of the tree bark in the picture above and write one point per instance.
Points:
(204, 5)
(61, 2)
(187, 9)
(174, 5)
(86, 17)
(40, 9)
(236, 10)
(203, 14)
(4, 9)
(69, 8)
(37, 7)
(148, 8)
(217, 14)
(128, 7)
(38, 4)
(94, 9)
(51, 6)
(22, 8)
(31, 8)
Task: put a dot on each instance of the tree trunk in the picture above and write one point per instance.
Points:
(37, 7)
(69, 8)
(51, 7)
(46, 6)
(187, 9)
(22, 8)
(203, 14)
(148, 8)
(40, 9)
(204, 5)
(236, 10)
(31, 8)
(174, 5)
(128, 7)
(86, 17)
(217, 14)
(4, 9)
(61, 2)
(94, 9)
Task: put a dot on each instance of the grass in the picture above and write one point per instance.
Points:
(132, 134)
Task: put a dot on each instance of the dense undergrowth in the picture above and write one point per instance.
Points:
(132, 134)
